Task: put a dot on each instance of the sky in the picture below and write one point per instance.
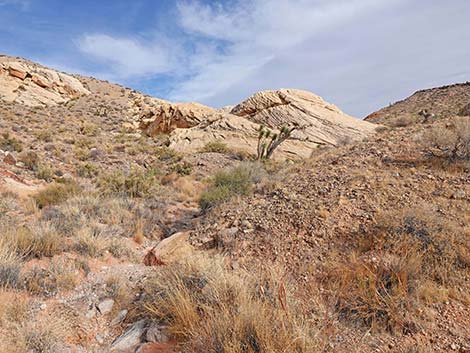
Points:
(360, 55)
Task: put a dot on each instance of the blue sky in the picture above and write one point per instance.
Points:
(357, 54)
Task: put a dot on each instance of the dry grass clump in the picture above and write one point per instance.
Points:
(228, 183)
(14, 308)
(136, 183)
(451, 143)
(215, 146)
(404, 261)
(212, 309)
(10, 266)
(59, 275)
(39, 240)
(56, 193)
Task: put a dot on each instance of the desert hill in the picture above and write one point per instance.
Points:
(442, 101)
(133, 224)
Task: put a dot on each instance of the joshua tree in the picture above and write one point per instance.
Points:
(268, 141)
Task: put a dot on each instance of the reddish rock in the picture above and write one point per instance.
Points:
(9, 159)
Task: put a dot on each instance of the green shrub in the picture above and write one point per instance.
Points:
(87, 170)
(227, 183)
(45, 172)
(137, 183)
(184, 168)
(11, 144)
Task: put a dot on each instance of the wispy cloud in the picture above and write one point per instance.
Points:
(220, 52)
(128, 57)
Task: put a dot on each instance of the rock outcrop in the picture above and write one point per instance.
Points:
(33, 85)
(156, 116)
(324, 123)
(190, 125)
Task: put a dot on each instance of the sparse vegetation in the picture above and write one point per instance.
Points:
(228, 183)
(452, 142)
(56, 193)
(212, 309)
(136, 183)
(268, 141)
(216, 146)
(9, 143)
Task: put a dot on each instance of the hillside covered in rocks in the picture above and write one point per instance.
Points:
(133, 224)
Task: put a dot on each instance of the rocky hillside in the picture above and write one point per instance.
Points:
(442, 101)
(130, 224)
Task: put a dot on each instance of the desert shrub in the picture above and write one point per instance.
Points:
(211, 309)
(59, 275)
(216, 146)
(167, 154)
(45, 172)
(403, 121)
(136, 183)
(227, 183)
(82, 153)
(184, 168)
(30, 159)
(451, 143)
(87, 170)
(90, 242)
(89, 129)
(9, 143)
(44, 135)
(55, 194)
(405, 260)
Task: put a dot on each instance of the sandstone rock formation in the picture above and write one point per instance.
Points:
(33, 85)
(190, 125)
(324, 122)
(156, 116)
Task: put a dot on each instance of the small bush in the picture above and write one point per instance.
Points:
(451, 143)
(44, 136)
(55, 194)
(87, 170)
(184, 168)
(228, 183)
(45, 172)
(216, 146)
(137, 183)
(9, 143)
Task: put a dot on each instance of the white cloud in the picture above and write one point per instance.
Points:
(360, 54)
(129, 57)
(23, 4)
(253, 34)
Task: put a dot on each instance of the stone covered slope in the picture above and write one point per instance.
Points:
(30, 84)
(442, 101)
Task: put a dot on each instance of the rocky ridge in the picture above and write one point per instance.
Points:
(33, 85)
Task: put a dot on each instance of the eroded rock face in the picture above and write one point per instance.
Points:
(33, 85)
(325, 123)
(155, 116)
